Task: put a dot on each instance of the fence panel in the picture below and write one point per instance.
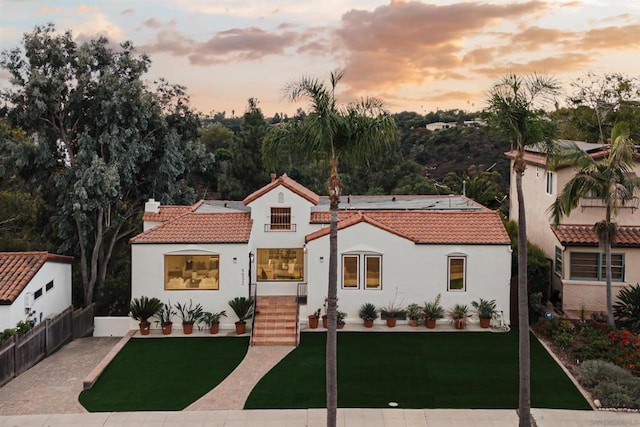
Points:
(7, 361)
(31, 348)
(82, 324)
(58, 331)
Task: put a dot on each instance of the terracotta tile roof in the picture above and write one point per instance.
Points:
(583, 235)
(430, 227)
(200, 227)
(169, 212)
(18, 268)
(288, 183)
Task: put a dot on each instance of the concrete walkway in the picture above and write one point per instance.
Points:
(233, 392)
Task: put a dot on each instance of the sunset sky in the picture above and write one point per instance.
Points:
(416, 56)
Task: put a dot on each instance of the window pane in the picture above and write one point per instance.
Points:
(558, 266)
(280, 218)
(191, 272)
(350, 271)
(373, 271)
(280, 264)
(584, 265)
(617, 267)
(456, 273)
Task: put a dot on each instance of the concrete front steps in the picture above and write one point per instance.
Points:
(275, 321)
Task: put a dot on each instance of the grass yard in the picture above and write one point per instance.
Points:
(430, 370)
(163, 374)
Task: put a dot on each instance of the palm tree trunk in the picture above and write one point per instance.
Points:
(608, 273)
(524, 402)
(332, 298)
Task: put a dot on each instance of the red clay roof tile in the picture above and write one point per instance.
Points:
(18, 268)
(200, 227)
(429, 227)
(288, 183)
(584, 235)
(169, 212)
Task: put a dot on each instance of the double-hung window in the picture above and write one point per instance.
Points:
(361, 271)
(549, 188)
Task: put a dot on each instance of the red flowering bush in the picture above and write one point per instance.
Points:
(625, 348)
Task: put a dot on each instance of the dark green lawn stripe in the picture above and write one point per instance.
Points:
(441, 370)
(163, 373)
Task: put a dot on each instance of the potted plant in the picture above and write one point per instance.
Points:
(314, 318)
(243, 309)
(432, 311)
(485, 309)
(165, 317)
(212, 320)
(340, 315)
(141, 309)
(459, 314)
(414, 314)
(368, 313)
(391, 312)
(189, 315)
(599, 320)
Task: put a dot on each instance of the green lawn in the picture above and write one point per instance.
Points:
(430, 370)
(163, 374)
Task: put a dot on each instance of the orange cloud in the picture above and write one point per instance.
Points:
(412, 42)
(49, 11)
(554, 64)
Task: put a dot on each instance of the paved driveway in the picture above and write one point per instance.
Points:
(53, 385)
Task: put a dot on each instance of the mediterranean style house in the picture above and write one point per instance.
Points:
(33, 286)
(572, 246)
(274, 243)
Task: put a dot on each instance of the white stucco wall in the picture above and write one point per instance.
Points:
(50, 303)
(416, 272)
(147, 275)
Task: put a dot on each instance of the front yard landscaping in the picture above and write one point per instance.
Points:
(163, 374)
(438, 370)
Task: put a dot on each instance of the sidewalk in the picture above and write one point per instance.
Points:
(317, 418)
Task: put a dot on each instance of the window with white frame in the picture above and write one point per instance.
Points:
(558, 263)
(191, 272)
(456, 273)
(369, 265)
(549, 189)
(280, 219)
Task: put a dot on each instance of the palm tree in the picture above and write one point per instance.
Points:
(331, 133)
(610, 180)
(514, 104)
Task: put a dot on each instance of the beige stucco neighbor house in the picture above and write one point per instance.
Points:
(572, 246)
(405, 249)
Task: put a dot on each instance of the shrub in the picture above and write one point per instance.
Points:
(624, 350)
(594, 372)
(590, 344)
(6, 334)
(627, 309)
(615, 395)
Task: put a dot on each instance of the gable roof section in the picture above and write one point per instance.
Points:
(169, 212)
(583, 235)
(288, 183)
(430, 227)
(200, 227)
(18, 268)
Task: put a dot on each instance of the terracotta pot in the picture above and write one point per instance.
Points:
(166, 329)
(241, 327)
(430, 323)
(391, 322)
(368, 323)
(340, 325)
(213, 329)
(459, 323)
(413, 322)
(187, 328)
(485, 322)
(145, 327)
(313, 321)
(325, 322)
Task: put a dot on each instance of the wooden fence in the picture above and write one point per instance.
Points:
(20, 353)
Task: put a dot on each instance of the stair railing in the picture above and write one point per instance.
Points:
(253, 294)
(301, 298)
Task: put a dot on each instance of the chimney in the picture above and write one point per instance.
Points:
(152, 206)
(273, 177)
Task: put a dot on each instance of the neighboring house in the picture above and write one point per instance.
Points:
(572, 246)
(402, 248)
(33, 285)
